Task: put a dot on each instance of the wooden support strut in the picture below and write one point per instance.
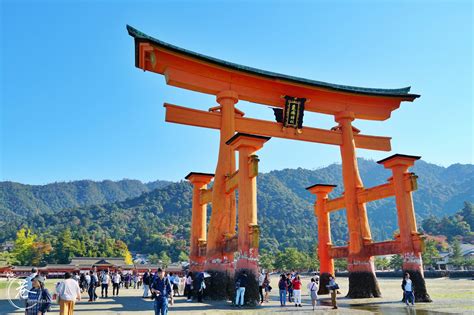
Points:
(199, 118)
(232, 182)
(205, 196)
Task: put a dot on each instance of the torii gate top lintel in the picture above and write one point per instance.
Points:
(193, 71)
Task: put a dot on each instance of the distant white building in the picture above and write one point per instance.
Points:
(467, 251)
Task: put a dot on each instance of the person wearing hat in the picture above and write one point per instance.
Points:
(39, 299)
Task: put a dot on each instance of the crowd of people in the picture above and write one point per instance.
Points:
(290, 289)
(162, 288)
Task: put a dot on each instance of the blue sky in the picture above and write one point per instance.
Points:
(73, 106)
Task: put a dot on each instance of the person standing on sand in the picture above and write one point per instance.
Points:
(161, 290)
(313, 291)
(333, 287)
(240, 286)
(38, 301)
(282, 286)
(146, 283)
(267, 286)
(261, 279)
(188, 290)
(69, 292)
(407, 287)
(94, 282)
(105, 284)
(296, 284)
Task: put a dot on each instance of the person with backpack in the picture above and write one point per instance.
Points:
(407, 287)
(38, 300)
(283, 287)
(146, 283)
(161, 291)
(313, 290)
(240, 286)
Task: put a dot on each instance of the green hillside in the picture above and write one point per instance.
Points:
(20, 199)
(159, 220)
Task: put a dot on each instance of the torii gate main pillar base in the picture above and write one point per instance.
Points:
(362, 280)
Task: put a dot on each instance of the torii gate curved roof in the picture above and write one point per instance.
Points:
(190, 70)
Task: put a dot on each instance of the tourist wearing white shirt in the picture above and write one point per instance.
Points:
(68, 292)
(116, 283)
(408, 290)
(88, 279)
(105, 284)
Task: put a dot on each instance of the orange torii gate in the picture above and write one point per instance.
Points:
(408, 242)
(230, 83)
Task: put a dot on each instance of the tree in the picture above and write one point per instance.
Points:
(165, 259)
(27, 250)
(340, 264)
(183, 256)
(456, 257)
(396, 262)
(266, 260)
(23, 246)
(313, 261)
(381, 263)
(153, 259)
(39, 251)
(291, 259)
(121, 250)
(65, 247)
(430, 252)
(128, 258)
(467, 214)
(8, 258)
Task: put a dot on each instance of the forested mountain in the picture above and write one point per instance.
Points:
(159, 220)
(20, 199)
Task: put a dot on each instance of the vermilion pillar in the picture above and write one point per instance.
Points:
(326, 267)
(222, 220)
(410, 241)
(248, 232)
(198, 219)
(362, 279)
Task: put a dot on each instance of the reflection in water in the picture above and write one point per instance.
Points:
(381, 309)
